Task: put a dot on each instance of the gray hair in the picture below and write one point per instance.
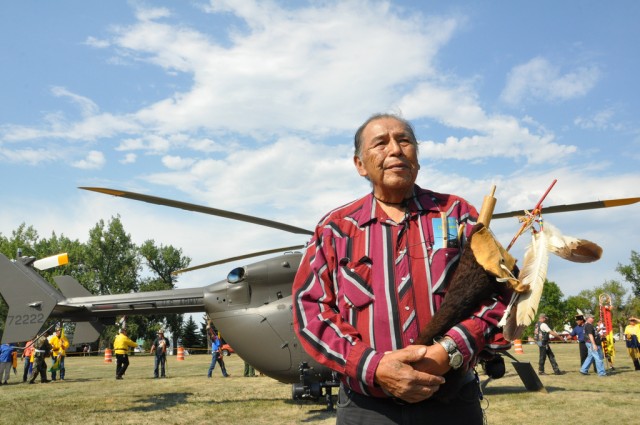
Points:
(357, 140)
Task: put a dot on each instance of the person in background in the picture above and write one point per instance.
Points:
(592, 340)
(121, 346)
(6, 362)
(42, 350)
(541, 335)
(27, 355)
(59, 345)
(631, 336)
(249, 371)
(578, 332)
(606, 353)
(159, 347)
(216, 357)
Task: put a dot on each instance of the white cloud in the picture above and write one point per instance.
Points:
(27, 156)
(538, 79)
(94, 160)
(601, 120)
(87, 106)
(317, 71)
(129, 158)
(97, 43)
(176, 162)
(152, 144)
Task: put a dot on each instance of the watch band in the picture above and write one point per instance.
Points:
(455, 356)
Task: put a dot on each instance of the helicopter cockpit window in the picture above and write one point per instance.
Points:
(236, 275)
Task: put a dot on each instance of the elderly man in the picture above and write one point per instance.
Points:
(373, 275)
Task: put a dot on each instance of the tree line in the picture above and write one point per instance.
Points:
(110, 263)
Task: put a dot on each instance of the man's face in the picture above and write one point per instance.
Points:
(389, 157)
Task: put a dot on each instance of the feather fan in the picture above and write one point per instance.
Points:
(533, 273)
(570, 248)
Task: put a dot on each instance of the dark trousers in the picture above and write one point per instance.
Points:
(583, 352)
(28, 368)
(160, 363)
(39, 368)
(545, 351)
(122, 363)
(357, 409)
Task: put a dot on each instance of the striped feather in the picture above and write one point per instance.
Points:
(533, 273)
(570, 248)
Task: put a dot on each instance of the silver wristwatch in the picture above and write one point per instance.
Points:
(455, 356)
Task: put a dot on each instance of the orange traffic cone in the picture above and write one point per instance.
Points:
(107, 355)
(180, 354)
(517, 345)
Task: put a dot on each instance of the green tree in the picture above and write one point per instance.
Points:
(190, 336)
(552, 304)
(577, 302)
(112, 263)
(204, 337)
(631, 272)
(163, 261)
(24, 238)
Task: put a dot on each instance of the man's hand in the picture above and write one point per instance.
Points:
(435, 360)
(396, 374)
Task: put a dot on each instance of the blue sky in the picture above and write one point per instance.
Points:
(250, 106)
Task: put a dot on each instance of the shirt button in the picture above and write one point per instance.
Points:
(411, 340)
(406, 307)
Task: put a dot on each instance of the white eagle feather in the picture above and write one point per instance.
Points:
(523, 307)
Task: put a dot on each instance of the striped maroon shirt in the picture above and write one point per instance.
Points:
(367, 285)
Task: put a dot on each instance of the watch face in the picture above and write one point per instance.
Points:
(455, 360)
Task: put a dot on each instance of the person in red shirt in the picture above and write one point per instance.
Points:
(27, 355)
(375, 272)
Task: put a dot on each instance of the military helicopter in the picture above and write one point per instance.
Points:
(252, 307)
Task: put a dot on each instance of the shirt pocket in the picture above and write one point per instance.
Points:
(353, 279)
(443, 264)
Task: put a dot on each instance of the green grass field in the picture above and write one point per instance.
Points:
(91, 395)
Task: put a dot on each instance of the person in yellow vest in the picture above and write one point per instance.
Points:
(121, 346)
(631, 336)
(59, 345)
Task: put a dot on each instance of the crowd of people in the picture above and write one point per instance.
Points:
(590, 337)
(54, 346)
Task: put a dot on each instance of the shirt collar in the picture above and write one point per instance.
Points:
(421, 201)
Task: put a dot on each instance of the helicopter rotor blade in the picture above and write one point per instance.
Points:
(200, 208)
(574, 207)
(239, 257)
